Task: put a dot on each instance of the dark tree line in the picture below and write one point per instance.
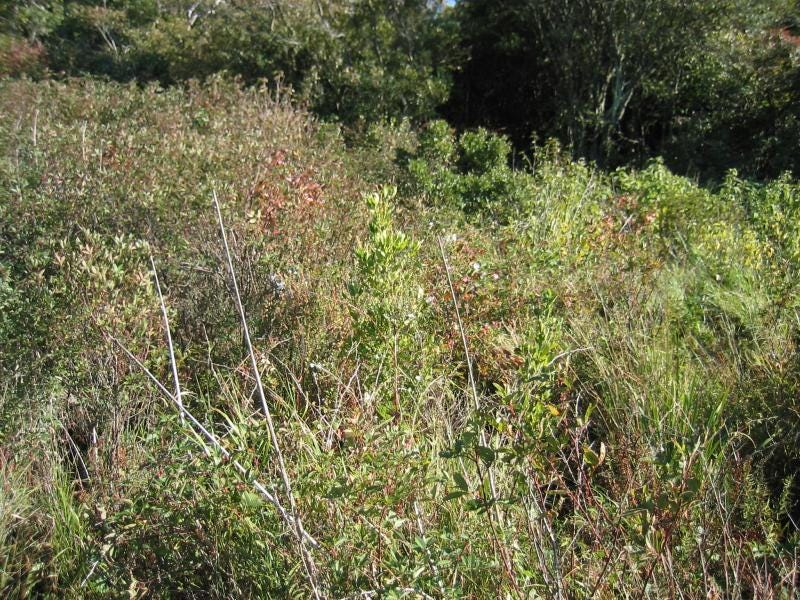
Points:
(708, 85)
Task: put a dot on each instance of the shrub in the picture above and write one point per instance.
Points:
(388, 306)
(473, 174)
(482, 152)
(20, 57)
(628, 425)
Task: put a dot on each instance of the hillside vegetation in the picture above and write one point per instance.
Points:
(256, 342)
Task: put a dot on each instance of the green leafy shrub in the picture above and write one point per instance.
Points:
(437, 144)
(482, 151)
(774, 209)
(389, 309)
(673, 204)
(472, 174)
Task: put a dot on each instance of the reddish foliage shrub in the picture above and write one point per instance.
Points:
(20, 57)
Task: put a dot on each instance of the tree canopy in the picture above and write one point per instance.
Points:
(708, 85)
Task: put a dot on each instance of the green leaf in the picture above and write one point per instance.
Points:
(337, 491)
(454, 496)
(487, 455)
(251, 500)
(590, 457)
(474, 505)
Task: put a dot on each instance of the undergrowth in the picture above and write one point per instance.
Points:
(487, 380)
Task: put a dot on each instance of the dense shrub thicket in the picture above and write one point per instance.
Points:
(486, 381)
(500, 343)
(352, 61)
(709, 86)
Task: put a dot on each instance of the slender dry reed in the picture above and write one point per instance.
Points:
(216, 444)
(495, 510)
(172, 362)
(308, 560)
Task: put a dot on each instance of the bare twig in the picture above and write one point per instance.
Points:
(79, 462)
(172, 362)
(35, 128)
(482, 435)
(90, 573)
(308, 561)
(564, 354)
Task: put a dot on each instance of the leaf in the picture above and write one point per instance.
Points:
(590, 457)
(461, 482)
(487, 455)
(473, 504)
(468, 437)
(692, 488)
(251, 500)
(454, 496)
(602, 453)
(337, 491)
(664, 502)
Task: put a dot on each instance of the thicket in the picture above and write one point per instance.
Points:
(351, 61)
(517, 353)
(547, 381)
(708, 86)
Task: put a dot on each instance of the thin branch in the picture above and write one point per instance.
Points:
(308, 561)
(564, 354)
(467, 358)
(172, 362)
(482, 435)
(79, 459)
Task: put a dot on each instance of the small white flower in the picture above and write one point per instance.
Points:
(476, 266)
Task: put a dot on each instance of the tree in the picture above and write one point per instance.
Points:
(396, 60)
(598, 74)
